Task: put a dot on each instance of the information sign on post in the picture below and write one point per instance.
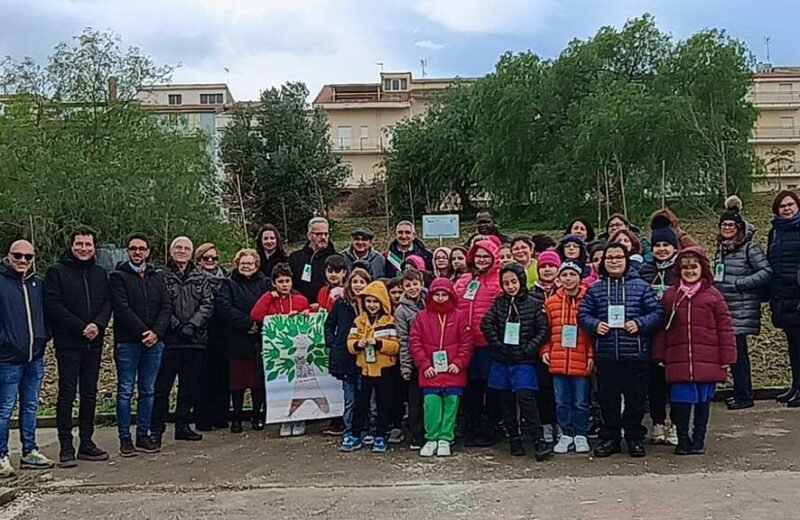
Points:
(440, 226)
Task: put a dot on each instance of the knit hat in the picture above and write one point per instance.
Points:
(548, 258)
(733, 205)
(570, 266)
(662, 231)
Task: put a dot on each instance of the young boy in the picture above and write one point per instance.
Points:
(516, 327)
(522, 250)
(335, 274)
(569, 356)
(373, 340)
(410, 303)
(395, 289)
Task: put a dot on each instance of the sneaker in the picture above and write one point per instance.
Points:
(429, 449)
(396, 436)
(416, 443)
(739, 405)
(594, 430)
(286, 429)
(35, 460)
(563, 445)
(549, 434)
(607, 448)
(443, 449)
(542, 450)
(636, 449)
(581, 444)
(147, 445)
(126, 448)
(335, 428)
(6, 469)
(66, 458)
(368, 439)
(185, 433)
(350, 444)
(671, 435)
(379, 446)
(658, 435)
(89, 451)
(156, 438)
(298, 428)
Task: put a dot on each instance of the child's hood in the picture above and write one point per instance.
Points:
(378, 291)
(707, 276)
(487, 245)
(441, 284)
(415, 260)
(521, 275)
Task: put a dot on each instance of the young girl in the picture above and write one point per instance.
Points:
(573, 249)
(282, 300)
(342, 364)
(515, 328)
(596, 258)
(458, 263)
(632, 244)
(697, 346)
(505, 255)
(522, 250)
(441, 262)
(373, 340)
(441, 347)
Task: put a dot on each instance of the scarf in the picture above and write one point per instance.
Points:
(690, 289)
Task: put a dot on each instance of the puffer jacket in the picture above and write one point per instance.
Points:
(526, 311)
(234, 300)
(747, 271)
(699, 340)
(342, 364)
(658, 274)
(192, 300)
(23, 332)
(434, 331)
(562, 309)
(783, 253)
(404, 315)
(641, 306)
(381, 328)
(488, 290)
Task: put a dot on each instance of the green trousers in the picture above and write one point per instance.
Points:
(440, 417)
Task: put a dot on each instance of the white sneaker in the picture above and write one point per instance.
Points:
(6, 469)
(672, 434)
(286, 429)
(429, 449)
(581, 444)
(659, 434)
(548, 433)
(443, 450)
(298, 428)
(563, 445)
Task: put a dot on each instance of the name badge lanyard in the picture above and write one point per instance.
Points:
(439, 358)
(512, 329)
(280, 302)
(570, 321)
(675, 309)
(608, 294)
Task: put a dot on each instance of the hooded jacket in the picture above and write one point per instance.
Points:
(342, 364)
(783, 253)
(140, 303)
(447, 331)
(395, 257)
(76, 293)
(404, 315)
(382, 328)
(192, 298)
(658, 274)
(523, 309)
(298, 261)
(562, 309)
(699, 340)
(375, 260)
(23, 333)
(233, 303)
(488, 289)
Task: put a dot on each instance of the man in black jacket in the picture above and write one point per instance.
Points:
(308, 264)
(78, 309)
(404, 245)
(141, 316)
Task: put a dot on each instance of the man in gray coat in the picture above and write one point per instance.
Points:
(361, 250)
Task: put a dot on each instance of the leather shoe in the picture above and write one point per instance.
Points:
(607, 448)
(786, 396)
(185, 433)
(794, 402)
(636, 449)
(740, 405)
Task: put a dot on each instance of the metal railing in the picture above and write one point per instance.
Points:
(776, 132)
(359, 144)
(775, 98)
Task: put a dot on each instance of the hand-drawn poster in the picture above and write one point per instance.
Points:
(299, 386)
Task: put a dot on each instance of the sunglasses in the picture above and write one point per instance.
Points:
(19, 256)
(209, 258)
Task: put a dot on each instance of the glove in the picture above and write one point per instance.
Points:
(187, 331)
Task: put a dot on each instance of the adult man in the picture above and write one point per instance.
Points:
(24, 335)
(485, 226)
(308, 263)
(361, 250)
(192, 297)
(405, 244)
(78, 304)
(141, 316)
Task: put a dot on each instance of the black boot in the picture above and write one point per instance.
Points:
(542, 450)
(787, 396)
(236, 426)
(607, 448)
(684, 446)
(698, 445)
(636, 449)
(88, 450)
(257, 422)
(516, 447)
(183, 432)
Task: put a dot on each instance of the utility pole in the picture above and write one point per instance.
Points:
(767, 40)
(424, 64)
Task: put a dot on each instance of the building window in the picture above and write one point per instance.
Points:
(210, 99)
(344, 134)
(364, 137)
(175, 99)
(395, 84)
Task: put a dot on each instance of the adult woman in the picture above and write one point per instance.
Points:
(617, 222)
(458, 263)
(235, 298)
(631, 242)
(741, 270)
(441, 262)
(271, 250)
(582, 228)
(783, 252)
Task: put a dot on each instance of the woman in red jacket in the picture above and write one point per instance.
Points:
(476, 290)
(441, 348)
(697, 345)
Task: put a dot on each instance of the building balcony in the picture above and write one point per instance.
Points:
(775, 134)
(363, 145)
(775, 100)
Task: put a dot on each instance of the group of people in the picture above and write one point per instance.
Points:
(505, 336)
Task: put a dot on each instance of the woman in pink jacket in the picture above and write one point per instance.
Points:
(477, 290)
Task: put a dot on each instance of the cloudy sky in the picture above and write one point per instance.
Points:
(266, 42)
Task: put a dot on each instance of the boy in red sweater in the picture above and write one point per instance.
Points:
(335, 274)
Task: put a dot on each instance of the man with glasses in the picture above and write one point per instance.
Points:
(361, 250)
(141, 316)
(405, 244)
(78, 304)
(308, 263)
(24, 337)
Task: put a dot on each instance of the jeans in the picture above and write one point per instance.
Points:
(136, 364)
(682, 414)
(183, 363)
(742, 380)
(623, 378)
(572, 404)
(78, 370)
(350, 385)
(24, 380)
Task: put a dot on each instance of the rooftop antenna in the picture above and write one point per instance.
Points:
(767, 40)
(227, 75)
(379, 64)
(424, 64)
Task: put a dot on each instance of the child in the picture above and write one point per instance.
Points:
(573, 249)
(342, 364)
(282, 300)
(373, 340)
(522, 249)
(515, 328)
(441, 347)
(411, 302)
(697, 346)
(633, 244)
(458, 263)
(505, 255)
(395, 291)
(547, 282)
(542, 243)
(570, 357)
(441, 262)
(335, 273)
(596, 257)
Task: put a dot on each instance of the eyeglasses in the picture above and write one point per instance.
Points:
(209, 258)
(137, 249)
(728, 225)
(19, 256)
(320, 233)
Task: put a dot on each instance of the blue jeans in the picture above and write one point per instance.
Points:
(572, 404)
(350, 385)
(24, 380)
(132, 360)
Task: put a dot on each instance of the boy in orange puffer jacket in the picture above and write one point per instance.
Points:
(570, 356)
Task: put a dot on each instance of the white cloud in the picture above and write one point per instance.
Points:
(427, 44)
(482, 16)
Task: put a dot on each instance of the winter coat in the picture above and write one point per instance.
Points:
(699, 340)
(658, 275)
(562, 309)
(540, 295)
(342, 363)
(382, 329)
(404, 319)
(375, 260)
(433, 331)
(747, 271)
(641, 306)
(298, 261)
(395, 257)
(192, 300)
(232, 306)
(269, 263)
(23, 332)
(327, 296)
(523, 309)
(76, 293)
(502, 237)
(783, 253)
(488, 290)
(271, 303)
(140, 303)
(216, 328)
